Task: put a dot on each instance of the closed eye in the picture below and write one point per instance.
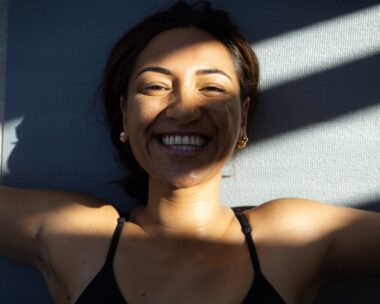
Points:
(154, 89)
(211, 88)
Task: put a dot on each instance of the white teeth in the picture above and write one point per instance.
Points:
(184, 148)
(177, 140)
(185, 141)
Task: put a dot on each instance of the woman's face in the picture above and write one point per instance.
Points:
(184, 114)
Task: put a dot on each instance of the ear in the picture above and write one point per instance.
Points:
(244, 116)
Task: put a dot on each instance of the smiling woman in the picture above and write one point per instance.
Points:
(133, 65)
(179, 89)
(179, 92)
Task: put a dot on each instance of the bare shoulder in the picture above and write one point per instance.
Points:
(74, 209)
(320, 240)
(59, 211)
(287, 204)
(287, 232)
(74, 239)
(55, 231)
(27, 216)
(301, 221)
(70, 221)
(289, 211)
(289, 222)
(317, 217)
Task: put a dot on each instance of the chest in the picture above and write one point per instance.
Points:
(221, 273)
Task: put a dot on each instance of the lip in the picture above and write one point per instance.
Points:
(183, 133)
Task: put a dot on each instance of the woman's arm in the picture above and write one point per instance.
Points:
(354, 242)
(23, 217)
(302, 243)
(347, 240)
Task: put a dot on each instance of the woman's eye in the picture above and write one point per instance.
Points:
(154, 89)
(213, 89)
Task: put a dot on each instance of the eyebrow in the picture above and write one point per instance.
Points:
(165, 71)
(212, 71)
(155, 69)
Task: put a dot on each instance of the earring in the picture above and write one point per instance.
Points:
(242, 142)
(123, 137)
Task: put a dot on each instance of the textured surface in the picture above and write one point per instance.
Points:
(3, 56)
(316, 133)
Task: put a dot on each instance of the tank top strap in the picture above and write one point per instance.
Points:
(247, 230)
(115, 238)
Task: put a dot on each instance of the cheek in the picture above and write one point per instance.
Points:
(229, 117)
(139, 116)
(136, 121)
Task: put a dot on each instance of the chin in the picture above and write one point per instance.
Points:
(187, 180)
(182, 182)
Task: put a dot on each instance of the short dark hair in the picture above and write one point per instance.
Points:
(126, 51)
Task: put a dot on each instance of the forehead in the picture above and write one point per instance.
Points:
(186, 48)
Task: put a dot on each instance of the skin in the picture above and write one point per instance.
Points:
(172, 250)
(184, 189)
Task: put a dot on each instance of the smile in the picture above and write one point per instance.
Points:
(183, 142)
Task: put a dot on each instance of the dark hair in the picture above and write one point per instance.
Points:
(124, 54)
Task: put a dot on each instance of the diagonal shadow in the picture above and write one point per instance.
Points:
(40, 75)
(259, 20)
(317, 98)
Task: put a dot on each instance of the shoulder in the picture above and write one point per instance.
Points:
(69, 214)
(74, 239)
(31, 217)
(343, 238)
(283, 209)
(72, 215)
(297, 214)
(296, 219)
(69, 217)
(296, 210)
(286, 231)
(300, 227)
(77, 208)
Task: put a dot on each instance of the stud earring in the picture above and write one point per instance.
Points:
(123, 137)
(242, 142)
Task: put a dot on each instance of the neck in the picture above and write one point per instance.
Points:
(195, 212)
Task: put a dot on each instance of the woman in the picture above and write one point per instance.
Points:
(178, 91)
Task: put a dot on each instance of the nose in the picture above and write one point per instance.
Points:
(184, 108)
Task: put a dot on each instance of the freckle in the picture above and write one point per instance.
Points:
(143, 294)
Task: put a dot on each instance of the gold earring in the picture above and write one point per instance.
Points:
(123, 137)
(242, 142)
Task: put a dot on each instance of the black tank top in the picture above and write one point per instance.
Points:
(103, 289)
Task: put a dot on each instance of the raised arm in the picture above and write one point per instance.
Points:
(317, 242)
(23, 214)
(347, 240)
(354, 241)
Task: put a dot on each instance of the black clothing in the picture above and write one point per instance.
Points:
(103, 288)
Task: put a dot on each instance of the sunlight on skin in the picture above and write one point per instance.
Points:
(178, 87)
(184, 191)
